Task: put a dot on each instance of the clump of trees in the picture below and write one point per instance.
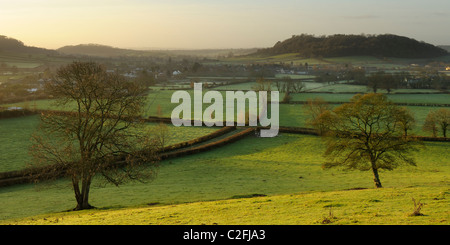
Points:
(369, 133)
(382, 80)
(101, 136)
(287, 86)
(438, 120)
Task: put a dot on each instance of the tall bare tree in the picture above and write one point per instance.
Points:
(365, 134)
(100, 131)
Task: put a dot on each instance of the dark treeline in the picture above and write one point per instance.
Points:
(355, 45)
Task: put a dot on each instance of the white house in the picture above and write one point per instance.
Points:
(14, 108)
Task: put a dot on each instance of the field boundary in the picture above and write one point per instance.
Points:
(5, 114)
(26, 175)
(185, 148)
(311, 131)
(209, 146)
(176, 150)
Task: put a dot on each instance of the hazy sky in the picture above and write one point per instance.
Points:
(192, 24)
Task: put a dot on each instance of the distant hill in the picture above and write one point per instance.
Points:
(446, 47)
(99, 50)
(94, 50)
(12, 45)
(354, 45)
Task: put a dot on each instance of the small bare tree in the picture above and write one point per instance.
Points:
(417, 208)
(99, 132)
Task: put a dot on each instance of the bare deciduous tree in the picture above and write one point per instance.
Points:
(315, 108)
(99, 134)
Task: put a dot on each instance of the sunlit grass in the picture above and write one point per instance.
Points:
(271, 166)
(195, 189)
(391, 206)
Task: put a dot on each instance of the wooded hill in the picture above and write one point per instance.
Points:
(94, 50)
(108, 51)
(386, 45)
(15, 46)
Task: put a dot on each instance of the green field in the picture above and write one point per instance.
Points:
(20, 61)
(284, 165)
(15, 142)
(16, 134)
(284, 173)
(389, 206)
(26, 61)
(295, 59)
(283, 58)
(162, 98)
(396, 98)
(291, 115)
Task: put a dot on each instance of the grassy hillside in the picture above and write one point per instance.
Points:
(392, 206)
(284, 172)
(282, 165)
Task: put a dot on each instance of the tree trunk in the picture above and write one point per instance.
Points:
(376, 178)
(82, 196)
(86, 189)
(76, 190)
(83, 202)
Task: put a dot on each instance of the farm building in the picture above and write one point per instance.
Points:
(14, 108)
